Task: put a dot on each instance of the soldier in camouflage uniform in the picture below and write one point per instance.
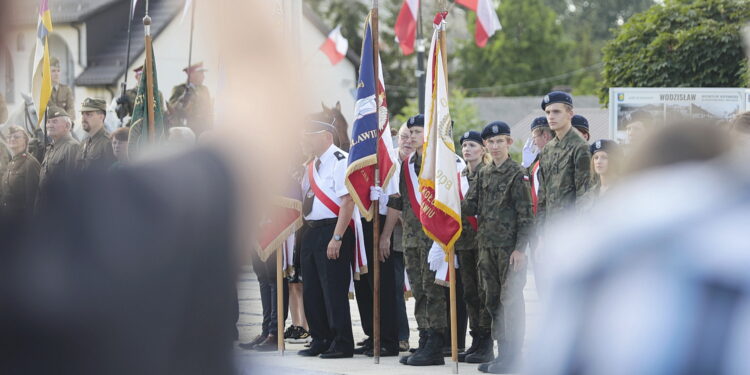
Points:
(500, 197)
(430, 307)
(564, 166)
(480, 320)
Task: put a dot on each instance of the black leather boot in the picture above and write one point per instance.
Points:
(484, 367)
(475, 339)
(432, 354)
(422, 342)
(485, 353)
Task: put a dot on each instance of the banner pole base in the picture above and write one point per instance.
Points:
(455, 368)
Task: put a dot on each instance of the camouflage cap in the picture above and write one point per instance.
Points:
(92, 104)
(55, 112)
(54, 62)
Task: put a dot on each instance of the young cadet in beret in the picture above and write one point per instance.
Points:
(565, 161)
(480, 321)
(430, 308)
(500, 197)
(581, 124)
(19, 184)
(96, 148)
(606, 162)
(541, 134)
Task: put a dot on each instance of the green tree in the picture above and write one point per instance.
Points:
(529, 47)
(465, 114)
(679, 44)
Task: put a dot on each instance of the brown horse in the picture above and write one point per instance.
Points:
(333, 116)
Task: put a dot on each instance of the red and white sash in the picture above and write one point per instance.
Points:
(333, 203)
(534, 186)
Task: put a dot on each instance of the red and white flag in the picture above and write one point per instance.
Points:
(487, 21)
(438, 179)
(406, 26)
(335, 46)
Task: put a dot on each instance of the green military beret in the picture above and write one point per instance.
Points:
(55, 111)
(54, 62)
(91, 104)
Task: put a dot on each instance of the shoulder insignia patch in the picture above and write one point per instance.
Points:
(339, 155)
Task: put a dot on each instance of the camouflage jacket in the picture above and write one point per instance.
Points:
(62, 96)
(96, 150)
(564, 174)
(19, 185)
(500, 197)
(468, 239)
(413, 235)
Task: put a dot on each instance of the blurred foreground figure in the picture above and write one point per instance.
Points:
(661, 284)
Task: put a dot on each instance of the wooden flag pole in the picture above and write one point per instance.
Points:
(280, 300)
(376, 205)
(149, 78)
(451, 251)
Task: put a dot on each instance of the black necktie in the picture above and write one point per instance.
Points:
(307, 201)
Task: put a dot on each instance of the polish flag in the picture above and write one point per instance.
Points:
(487, 21)
(335, 46)
(406, 26)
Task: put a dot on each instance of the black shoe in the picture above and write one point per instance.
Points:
(422, 341)
(290, 332)
(365, 342)
(405, 359)
(315, 350)
(300, 336)
(432, 354)
(484, 367)
(384, 352)
(332, 354)
(270, 344)
(249, 345)
(475, 339)
(485, 352)
(362, 349)
(504, 367)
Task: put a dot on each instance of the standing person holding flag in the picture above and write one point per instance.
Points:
(42, 77)
(371, 164)
(438, 181)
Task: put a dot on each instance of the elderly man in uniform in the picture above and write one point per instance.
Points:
(564, 166)
(190, 104)
(62, 95)
(430, 306)
(20, 182)
(60, 156)
(96, 150)
(327, 245)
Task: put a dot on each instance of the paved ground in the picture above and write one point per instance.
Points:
(274, 363)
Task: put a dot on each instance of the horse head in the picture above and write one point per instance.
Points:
(333, 115)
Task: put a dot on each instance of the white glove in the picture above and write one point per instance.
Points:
(377, 194)
(435, 257)
(529, 153)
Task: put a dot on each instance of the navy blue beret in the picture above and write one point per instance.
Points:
(417, 120)
(580, 122)
(314, 126)
(605, 145)
(539, 122)
(471, 135)
(557, 97)
(495, 128)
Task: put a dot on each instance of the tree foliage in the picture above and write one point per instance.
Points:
(529, 47)
(679, 44)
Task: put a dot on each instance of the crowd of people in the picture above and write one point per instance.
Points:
(506, 208)
(30, 158)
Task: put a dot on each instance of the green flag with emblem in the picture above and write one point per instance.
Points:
(140, 137)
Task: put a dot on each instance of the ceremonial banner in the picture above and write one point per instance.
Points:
(41, 79)
(281, 223)
(371, 142)
(438, 180)
(139, 129)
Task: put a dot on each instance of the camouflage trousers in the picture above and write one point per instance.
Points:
(503, 296)
(430, 307)
(479, 316)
